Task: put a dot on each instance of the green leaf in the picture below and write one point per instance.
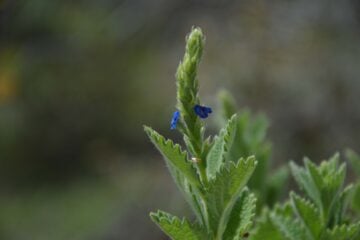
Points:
(354, 159)
(291, 229)
(341, 205)
(323, 185)
(328, 178)
(225, 189)
(250, 140)
(222, 143)
(174, 156)
(228, 105)
(343, 232)
(175, 228)
(308, 214)
(266, 230)
(182, 171)
(356, 198)
(241, 218)
(191, 195)
(305, 182)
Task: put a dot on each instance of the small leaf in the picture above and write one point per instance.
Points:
(225, 189)
(305, 182)
(341, 204)
(343, 232)
(292, 230)
(221, 145)
(308, 214)
(241, 218)
(175, 228)
(356, 198)
(174, 155)
(191, 195)
(266, 230)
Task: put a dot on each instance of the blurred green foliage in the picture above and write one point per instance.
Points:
(78, 79)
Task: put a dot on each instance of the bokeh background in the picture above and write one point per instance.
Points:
(78, 79)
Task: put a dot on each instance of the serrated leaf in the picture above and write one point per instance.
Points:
(308, 214)
(323, 185)
(222, 143)
(284, 210)
(266, 230)
(181, 171)
(305, 182)
(341, 205)
(343, 232)
(225, 189)
(189, 193)
(328, 179)
(291, 229)
(173, 155)
(240, 147)
(250, 140)
(176, 228)
(241, 217)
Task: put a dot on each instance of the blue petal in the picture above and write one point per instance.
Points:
(202, 111)
(174, 120)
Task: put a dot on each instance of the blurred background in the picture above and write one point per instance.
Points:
(78, 79)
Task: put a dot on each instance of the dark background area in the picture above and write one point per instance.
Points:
(78, 79)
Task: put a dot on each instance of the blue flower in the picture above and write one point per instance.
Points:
(174, 120)
(202, 111)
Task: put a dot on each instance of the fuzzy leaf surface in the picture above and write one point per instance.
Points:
(241, 217)
(173, 155)
(343, 232)
(176, 228)
(305, 182)
(291, 229)
(222, 144)
(308, 214)
(225, 189)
